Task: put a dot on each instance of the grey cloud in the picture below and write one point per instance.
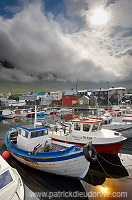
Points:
(124, 53)
(109, 2)
(39, 49)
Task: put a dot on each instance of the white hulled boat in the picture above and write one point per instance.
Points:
(11, 185)
(7, 113)
(33, 147)
(82, 130)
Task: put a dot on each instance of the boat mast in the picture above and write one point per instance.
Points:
(35, 117)
(76, 81)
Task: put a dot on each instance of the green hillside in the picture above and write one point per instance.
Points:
(18, 87)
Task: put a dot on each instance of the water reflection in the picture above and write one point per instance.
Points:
(106, 166)
(112, 181)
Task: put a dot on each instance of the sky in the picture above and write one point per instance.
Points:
(66, 40)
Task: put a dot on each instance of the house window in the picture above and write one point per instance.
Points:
(77, 126)
(96, 93)
(86, 127)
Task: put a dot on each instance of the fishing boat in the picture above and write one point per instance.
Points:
(39, 114)
(1, 117)
(81, 130)
(125, 128)
(33, 147)
(127, 117)
(62, 111)
(11, 184)
(8, 114)
(107, 117)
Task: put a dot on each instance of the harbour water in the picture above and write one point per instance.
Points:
(109, 178)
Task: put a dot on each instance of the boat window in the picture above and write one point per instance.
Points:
(19, 131)
(77, 126)
(113, 114)
(39, 133)
(100, 126)
(118, 114)
(86, 127)
(26, 134)
(33, 134)
(95, 127)
(5, 179)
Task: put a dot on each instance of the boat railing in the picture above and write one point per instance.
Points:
(61, 130)
(12, 136)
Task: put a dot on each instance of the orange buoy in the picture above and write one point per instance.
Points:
(6, 154)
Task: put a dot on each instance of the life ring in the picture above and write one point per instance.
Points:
(86, 149)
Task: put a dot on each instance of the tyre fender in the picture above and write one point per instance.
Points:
(86, 151)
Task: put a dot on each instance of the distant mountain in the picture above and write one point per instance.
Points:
(17, 87)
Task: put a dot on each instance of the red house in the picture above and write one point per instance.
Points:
(69, 98)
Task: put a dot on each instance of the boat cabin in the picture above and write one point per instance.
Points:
(29, 137)
(86, 124)
(76, 127)
(115, 113)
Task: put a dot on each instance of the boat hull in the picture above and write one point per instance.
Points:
(68, 167)
(67, 162)
(109, 148)
(113, 148)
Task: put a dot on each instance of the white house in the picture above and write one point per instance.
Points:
(46, 101)
(119, 91)
(41, 95)
(15, 103)
(57, 95)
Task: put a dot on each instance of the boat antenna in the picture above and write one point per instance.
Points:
(97, 106)
(35, 117)
(76, 80)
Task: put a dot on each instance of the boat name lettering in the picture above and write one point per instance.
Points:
(89, 138)
(77, 137)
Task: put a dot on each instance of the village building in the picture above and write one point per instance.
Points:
(82, 93)
(14, 103)
(84, 100)
(46, 101)
(109, 96)
(33, 96)
(70, 98)
(56, 95)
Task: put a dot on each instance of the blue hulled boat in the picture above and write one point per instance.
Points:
(33, 147)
